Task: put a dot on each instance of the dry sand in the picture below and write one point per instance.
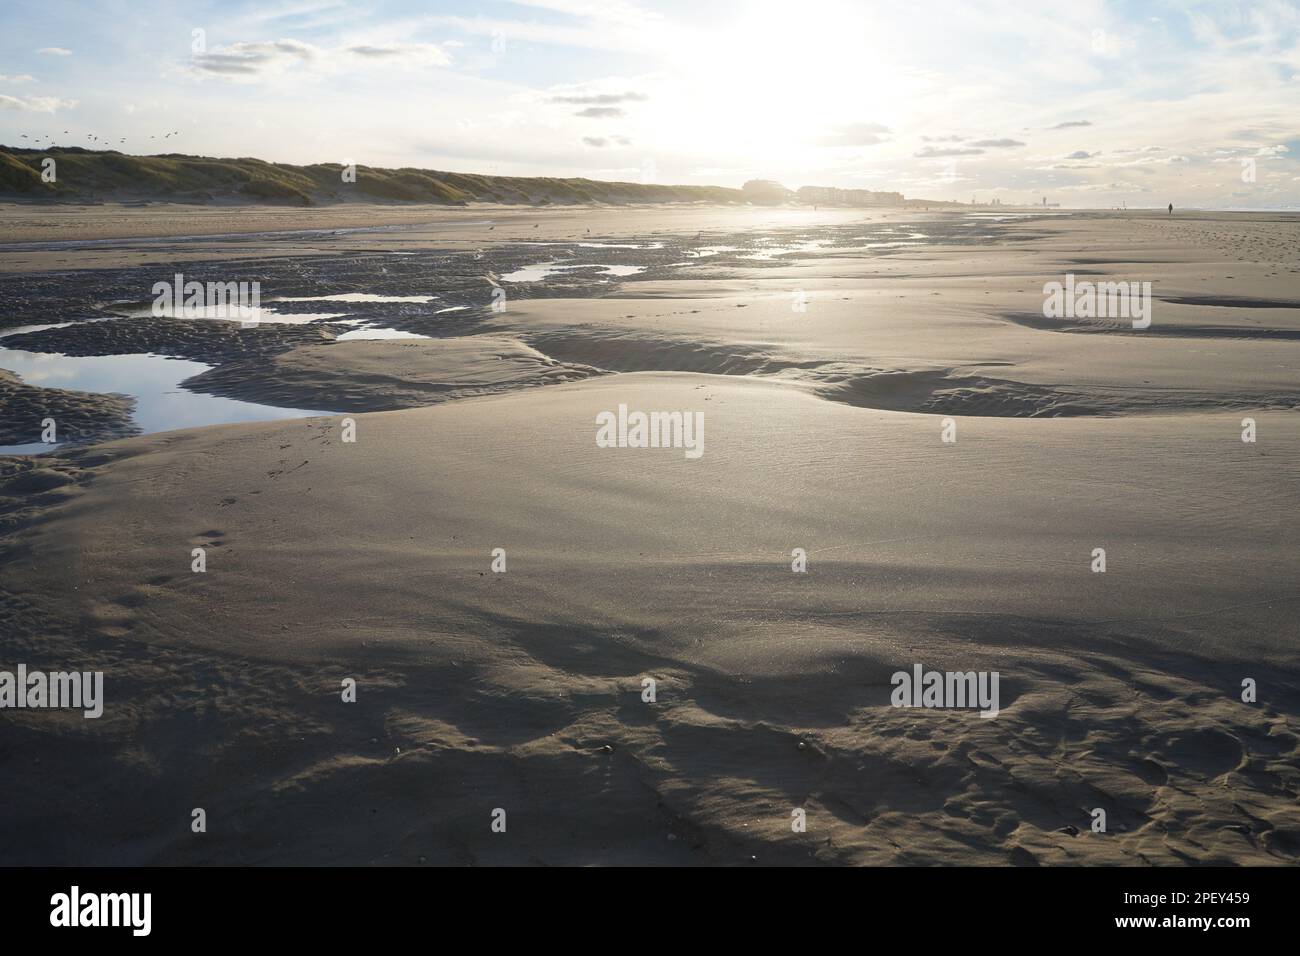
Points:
(478, 690)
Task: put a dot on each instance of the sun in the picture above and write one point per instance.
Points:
(782, 80)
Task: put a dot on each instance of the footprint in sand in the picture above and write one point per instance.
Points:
(1206, 751)
(1151, 773)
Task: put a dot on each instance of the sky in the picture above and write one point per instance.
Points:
(1084, 103)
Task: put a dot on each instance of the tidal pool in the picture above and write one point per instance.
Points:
(152, 380)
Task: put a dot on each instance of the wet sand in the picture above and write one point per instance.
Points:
(77, 416)
(372, 559)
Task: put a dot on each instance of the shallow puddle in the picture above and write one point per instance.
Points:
(219, 313)
(540, 271)
(154, 383)
(357, 297)
(363, 334)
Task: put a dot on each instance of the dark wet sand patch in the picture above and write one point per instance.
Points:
(198, 340)
(1231, 301)
(381, 375)
(1034, 320)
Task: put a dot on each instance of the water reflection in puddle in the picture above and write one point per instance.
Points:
(543, 269)
(20, 329)
(358, 297)
(220, 313)
(600, 245)
(703, 252)
(154, 383)
(364, 334)
(1009, 216)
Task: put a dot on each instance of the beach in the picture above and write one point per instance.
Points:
(395, 479)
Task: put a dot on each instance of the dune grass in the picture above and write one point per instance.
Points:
(84, 174)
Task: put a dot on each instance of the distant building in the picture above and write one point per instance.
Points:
(766, 192)
(834, 196)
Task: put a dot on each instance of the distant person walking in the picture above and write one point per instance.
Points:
(1171, 209)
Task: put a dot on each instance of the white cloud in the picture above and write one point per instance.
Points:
(251, 60)
(855, 134)
(427, 54)
(940, 152)
(54, 51)
(597, 99)
(35, 104)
